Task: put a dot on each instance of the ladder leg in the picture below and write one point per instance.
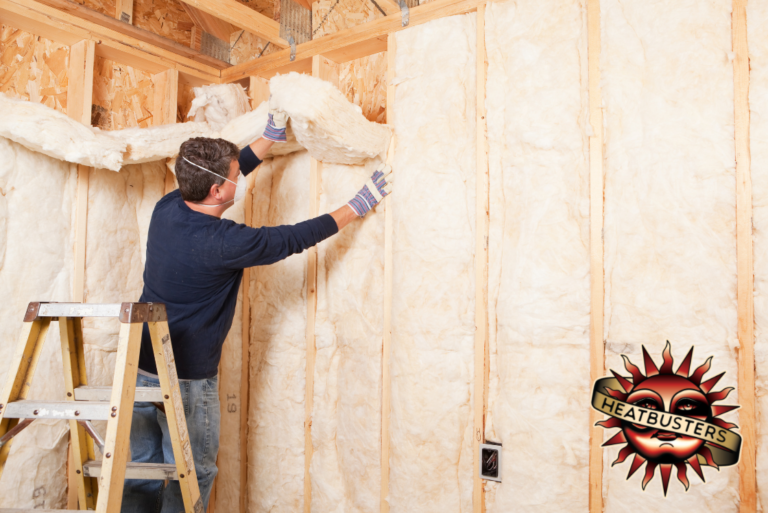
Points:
(174, 411)
(20, 374)
(112, 478)
(74, 376)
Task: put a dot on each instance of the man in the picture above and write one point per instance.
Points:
(194, 265)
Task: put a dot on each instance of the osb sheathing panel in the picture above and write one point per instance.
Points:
(164, 17)
(33, 68)
(246, 47)
(123, 97)
(107, 7)
(364, 83)
(265, 7)
(184, 100)
(344, 14)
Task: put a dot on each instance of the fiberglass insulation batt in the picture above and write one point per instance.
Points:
(757, 20)
(670, 236)
(36, 263)
(538, 296)
(278, 345)
(346, 417)
(433, 303)
(120, 206)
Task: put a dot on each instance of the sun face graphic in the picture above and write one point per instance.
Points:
(668, 418)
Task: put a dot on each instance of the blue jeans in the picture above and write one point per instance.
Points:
(151, 443)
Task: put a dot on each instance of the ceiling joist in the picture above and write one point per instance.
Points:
(242, 17)
(389, 6)
(69, 23)
(209, 23)
(346, 45)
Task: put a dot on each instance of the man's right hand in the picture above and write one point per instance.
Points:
(374, 190)
(278, 120)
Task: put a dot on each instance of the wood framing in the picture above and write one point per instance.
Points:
(166, 92)
(744, 255)
(386, 343)
(79, 100)
(38, 18)
(165, 105)
(327, 70)
(258, 91)
(345, 45)
(209, 23)
(82, 12)
(124, 11)
(480, 395)
(242, 17)
(597, 291)
(389, 6)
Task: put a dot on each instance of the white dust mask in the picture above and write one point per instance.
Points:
(239, 191)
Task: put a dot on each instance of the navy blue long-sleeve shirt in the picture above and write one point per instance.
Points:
(195, 264)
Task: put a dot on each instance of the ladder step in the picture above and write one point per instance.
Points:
(70, 410)
(159, 471)
(143, 394)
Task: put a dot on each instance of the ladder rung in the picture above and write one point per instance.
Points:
(71, 410)
(143, 394)
(159, 471)
(130, 313)
(79, 310)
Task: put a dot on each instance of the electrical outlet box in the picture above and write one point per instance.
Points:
(490, 461)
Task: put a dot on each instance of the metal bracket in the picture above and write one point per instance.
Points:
(405, 12)
(18, 428)
(292, 42)
(134, 313)
(91, 430)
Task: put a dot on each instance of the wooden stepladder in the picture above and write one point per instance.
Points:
(100, 483)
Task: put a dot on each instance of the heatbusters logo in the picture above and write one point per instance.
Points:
(667, 418)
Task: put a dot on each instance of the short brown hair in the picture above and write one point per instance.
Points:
(215, 155)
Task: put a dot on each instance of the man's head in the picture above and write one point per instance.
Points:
(217, 155)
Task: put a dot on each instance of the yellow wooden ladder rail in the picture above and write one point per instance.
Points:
(100, 483)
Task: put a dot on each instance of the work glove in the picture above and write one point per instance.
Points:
(278, 120)
(374, 190)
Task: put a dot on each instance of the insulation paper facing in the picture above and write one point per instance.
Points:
(346, 418)
(538, 292)
(325, 122)
(757, 20)
(670, 252)
(278, 345)
(36, 263)
(433, 303)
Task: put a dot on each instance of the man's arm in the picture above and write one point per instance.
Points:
(343, 216)
(261, 147)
